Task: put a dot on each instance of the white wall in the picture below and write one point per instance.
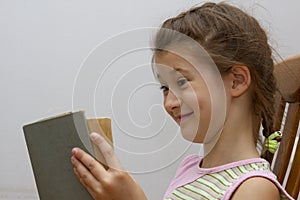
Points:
(44, 56)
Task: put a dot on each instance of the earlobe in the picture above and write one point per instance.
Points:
(241, 79)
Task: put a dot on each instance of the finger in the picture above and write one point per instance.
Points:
(84, 175)
(87, 162)
(92, 189)
(107, 151)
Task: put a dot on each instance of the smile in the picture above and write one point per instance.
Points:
(181, 118)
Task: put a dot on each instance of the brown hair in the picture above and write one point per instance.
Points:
(230, 37)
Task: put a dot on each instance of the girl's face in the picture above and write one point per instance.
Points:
(186, 96)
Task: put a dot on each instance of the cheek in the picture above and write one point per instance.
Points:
(199, 101)
(201, 105)
(204, 107)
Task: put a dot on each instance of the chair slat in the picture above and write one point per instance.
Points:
(278, 116)
(287, 143)
(293, 183)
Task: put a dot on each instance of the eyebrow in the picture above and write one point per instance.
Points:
(180, 70)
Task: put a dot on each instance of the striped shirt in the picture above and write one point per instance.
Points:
(192, 182)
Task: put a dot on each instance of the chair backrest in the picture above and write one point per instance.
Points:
(287, 115)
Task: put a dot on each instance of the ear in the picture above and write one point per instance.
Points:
(240, 80)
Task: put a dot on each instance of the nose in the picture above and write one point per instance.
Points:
(171, 101)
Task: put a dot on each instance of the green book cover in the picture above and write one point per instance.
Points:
(49, 143)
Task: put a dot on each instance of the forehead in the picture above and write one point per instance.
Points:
(164, 57)
(166, 61)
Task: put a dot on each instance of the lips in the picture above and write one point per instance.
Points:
(181, 118)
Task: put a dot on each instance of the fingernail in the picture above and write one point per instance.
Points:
(94, 136)
(74, 151)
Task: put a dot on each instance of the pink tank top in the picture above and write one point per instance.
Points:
(193, 182)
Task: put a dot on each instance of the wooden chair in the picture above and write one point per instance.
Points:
(287, 74)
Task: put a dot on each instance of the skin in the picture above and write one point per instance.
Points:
(111, 184)
(183, 103)
(186, 99)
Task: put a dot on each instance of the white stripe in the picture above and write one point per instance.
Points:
(213, 186)
(221, 178)
(202, 192)
(178, 193)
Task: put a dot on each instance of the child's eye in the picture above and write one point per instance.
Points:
(181, 81)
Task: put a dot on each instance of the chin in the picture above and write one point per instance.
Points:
(191, 131)
(198, 138)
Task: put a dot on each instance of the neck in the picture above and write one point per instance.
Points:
(235, 143)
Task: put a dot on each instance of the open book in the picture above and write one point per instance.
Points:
(49, 143)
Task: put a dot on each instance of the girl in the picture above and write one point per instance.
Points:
(220, 108)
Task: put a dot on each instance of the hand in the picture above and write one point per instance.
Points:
(114, 183)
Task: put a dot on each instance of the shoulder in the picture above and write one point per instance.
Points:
(187, 163)
(258, 188)
(186, 173)
(190, 161)
(191, 158)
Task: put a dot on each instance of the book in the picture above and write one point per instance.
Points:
(50, 142)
